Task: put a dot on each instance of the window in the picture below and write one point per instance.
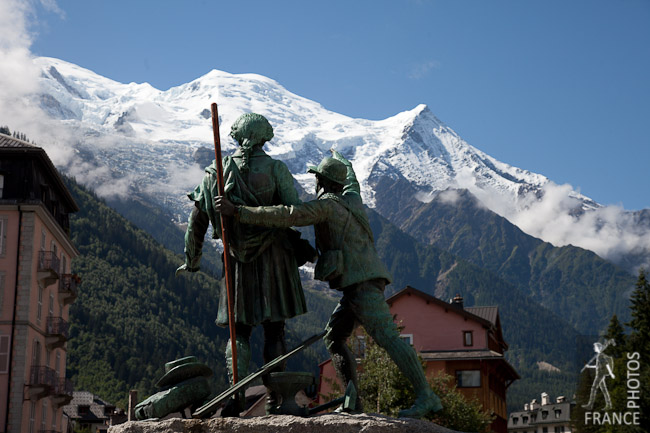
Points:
(525, 420)
(44, 416)
(558, 412)
(2, 288)
(64, 264)
(545, 430)
(559, 429)
(407, 338)
(468, 338)
(468, 378)
(2, 184)
(32, 416)
(359, 346)
(83, 410)
(515, 420)
(4, 354)
(544, 414)
(50, 309)
(4, 221)
(36, 353)
(39, 308)
(43, 240)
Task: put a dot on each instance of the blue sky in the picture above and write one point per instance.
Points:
(561, 88)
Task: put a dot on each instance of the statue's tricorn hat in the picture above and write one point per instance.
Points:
(183, 369)
(331, 169)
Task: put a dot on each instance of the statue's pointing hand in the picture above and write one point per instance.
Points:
(224, 206)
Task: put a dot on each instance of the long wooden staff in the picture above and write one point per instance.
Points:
(225, 238)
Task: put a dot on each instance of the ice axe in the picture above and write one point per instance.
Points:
(210, 407)
(349, 401)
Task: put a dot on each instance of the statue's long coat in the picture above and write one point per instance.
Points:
(266, 279)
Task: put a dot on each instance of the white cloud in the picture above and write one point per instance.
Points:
(19, 79)
(610, 231)
(423, 69)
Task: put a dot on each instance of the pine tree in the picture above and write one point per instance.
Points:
(640, 323)
(639, 342)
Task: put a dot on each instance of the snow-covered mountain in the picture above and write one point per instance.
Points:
(135, 139)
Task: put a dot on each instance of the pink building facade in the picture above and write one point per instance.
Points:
(36, 286)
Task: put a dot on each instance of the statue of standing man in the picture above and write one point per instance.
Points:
(267, 284)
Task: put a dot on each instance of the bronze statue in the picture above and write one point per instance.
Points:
(266, 280)
(349, 262)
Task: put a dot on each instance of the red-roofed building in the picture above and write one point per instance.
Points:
(465, 342)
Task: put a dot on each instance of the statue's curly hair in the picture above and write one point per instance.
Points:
(251, 128)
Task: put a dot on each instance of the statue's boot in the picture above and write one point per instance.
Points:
(346, 370)
(426, 401)
(235, 405)
(274, 346)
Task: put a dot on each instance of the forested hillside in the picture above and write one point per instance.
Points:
(133, 315)
(573, 282)
(533, 333)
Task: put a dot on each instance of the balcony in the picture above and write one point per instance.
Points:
(62, 392)
(48, 268)
(42, 382)
(56, 332)
(68, 288)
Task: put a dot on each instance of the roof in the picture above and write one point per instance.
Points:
(408, 290)
(95, 405)
(15, 146)
(460, 354)
(8, 141)
(488, 313)
(563, 415)
(503, 365)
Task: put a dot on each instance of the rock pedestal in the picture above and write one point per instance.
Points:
(338, 423)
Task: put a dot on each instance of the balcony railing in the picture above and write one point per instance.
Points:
(68, 288)
(56, 332)
(48, 261)
(42, 382)
(64, 387)
(63, 391)
(48, 267)
(57, 326)
(42, 376)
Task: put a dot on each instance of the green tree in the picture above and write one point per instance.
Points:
(639, 342)
(385, 390)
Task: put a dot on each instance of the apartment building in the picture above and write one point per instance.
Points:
(36, 289)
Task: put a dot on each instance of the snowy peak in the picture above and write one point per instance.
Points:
(414, 143)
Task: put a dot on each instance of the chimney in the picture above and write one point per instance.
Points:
(545, 399)
(534, 404)
(457, 301)
(526, 406)
(561, 399)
